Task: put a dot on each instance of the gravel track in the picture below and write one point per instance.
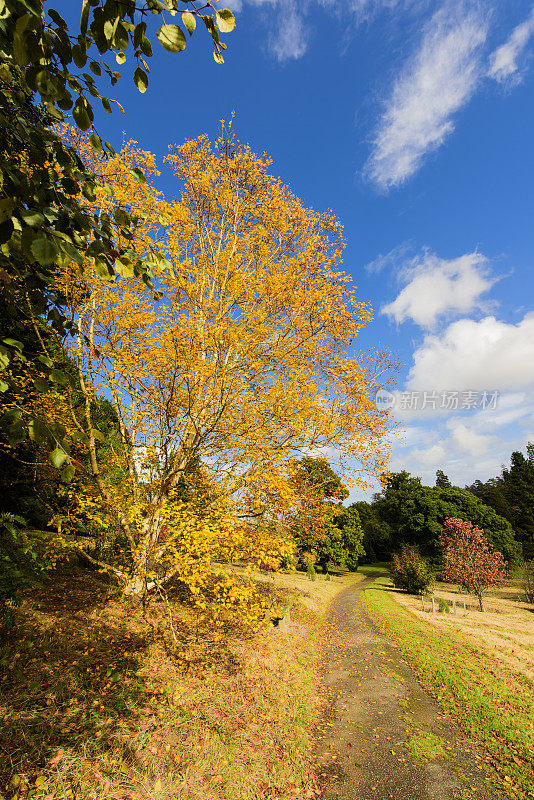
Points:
(382, 735)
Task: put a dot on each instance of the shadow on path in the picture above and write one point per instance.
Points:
(383, 736)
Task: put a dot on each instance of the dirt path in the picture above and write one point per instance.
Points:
(384, 736)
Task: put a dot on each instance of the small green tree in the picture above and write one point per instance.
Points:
(377, 543)
(327, 529)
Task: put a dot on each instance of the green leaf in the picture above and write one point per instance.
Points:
(96, 248)
(58, 457)
(43, 82)
(106, 104)
(139, 32)
(79, 56)
(57, 18)
(172, 38)
(189, 21)
(38, 431)
(6, 209)
(65, 102)
(4, 359)
(103, 269)
(79, 436)
(141, 79)
(95, 68)
(85, 15)
(97, 435)
(41, 385)
(81, 115)
(89, 187)
(45, 251)
(33, 218)
(124, 267)
(120, 35)
(146, 47)
(14, 343)
(96, 142)
(211, 27)
(139, 174)
(9, 417)
(3, 386)
(68, 473)
(225, 20)
(16, 434)
(6, 231)
(58, 376)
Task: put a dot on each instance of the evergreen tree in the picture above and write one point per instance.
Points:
(442, 480)
(416, 515)
(518, 489)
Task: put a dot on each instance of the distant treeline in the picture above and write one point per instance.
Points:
(406, 511)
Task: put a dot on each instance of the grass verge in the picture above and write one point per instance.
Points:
(97, 701)
(488, 700)
(368, 570)
(427, 746)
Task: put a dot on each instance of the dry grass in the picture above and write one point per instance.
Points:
(505, 630)
(97, 701)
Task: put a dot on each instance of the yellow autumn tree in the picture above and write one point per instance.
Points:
(237, 358)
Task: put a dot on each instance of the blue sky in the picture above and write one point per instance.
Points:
(413, 121)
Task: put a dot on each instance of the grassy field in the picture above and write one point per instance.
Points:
(504, 631)
(97, 701)
(478, 668)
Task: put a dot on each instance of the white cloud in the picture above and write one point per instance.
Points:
(437, 81)
(291, 39)
(437, 286)
(436, 454)
(365, 9)
(390, 259)
(512, 408)
(410, 435)
(234, 5)
(476, 355)
(465, 438)
(504, 60)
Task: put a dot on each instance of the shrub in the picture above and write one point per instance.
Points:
(410, 571)
(443, 606)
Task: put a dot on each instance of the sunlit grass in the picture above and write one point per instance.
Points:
(491, 702)
(373, 569)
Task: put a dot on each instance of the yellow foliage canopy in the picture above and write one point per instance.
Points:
(241, 354)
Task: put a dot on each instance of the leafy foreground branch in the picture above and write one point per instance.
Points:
(50, 73)
(489, 701)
